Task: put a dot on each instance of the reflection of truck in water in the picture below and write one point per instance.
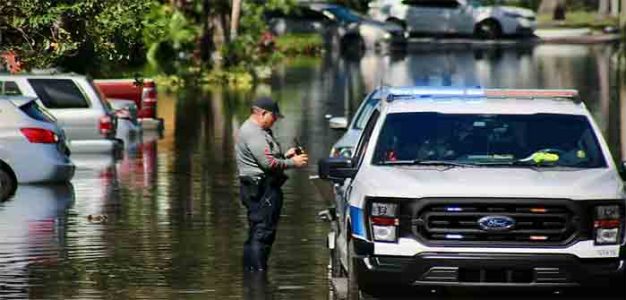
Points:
(497, 188)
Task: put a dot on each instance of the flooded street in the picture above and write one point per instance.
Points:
(166, 223)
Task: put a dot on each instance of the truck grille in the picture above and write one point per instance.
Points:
(508, 223)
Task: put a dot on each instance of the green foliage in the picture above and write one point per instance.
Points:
(250, 48)
(48, 33)
(577, 19)
(300, 44)
(170, 37)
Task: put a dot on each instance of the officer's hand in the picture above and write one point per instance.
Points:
(291, 152)
(301, 160)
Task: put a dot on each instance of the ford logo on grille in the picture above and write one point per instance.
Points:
(496, 223)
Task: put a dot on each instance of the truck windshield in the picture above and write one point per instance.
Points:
(537, 140)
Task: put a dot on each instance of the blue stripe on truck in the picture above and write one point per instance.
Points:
(357, 221)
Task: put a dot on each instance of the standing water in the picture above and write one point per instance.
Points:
(166, 222)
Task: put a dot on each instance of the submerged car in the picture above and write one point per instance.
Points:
(32, 147)
(455, 17)
(341, 26)
(453, 187)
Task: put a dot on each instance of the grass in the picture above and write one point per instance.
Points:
(577, 19)
(300, 44)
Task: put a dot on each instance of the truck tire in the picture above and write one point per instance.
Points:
(8, 185)
(488, 29)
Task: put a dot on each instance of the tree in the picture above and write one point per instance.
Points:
(77, 34)
(555, 8)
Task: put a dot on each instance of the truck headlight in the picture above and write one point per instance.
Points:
(607, 225)
(384, 222)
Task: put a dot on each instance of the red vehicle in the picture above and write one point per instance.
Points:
(142, 92)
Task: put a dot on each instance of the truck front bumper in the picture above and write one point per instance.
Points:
(487, 270)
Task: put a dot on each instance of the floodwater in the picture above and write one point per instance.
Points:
(165, 222)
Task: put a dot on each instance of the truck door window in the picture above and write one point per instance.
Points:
(363, 116)
(365, 138)
(9, 88)
(59, 93)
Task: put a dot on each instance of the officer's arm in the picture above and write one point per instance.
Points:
(260, 149)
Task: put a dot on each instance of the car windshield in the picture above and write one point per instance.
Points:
(344, 14)
(537, 140)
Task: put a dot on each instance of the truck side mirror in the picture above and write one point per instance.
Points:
(338, 123)
(336, 169)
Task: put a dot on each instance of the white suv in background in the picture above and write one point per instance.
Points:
(82, 112)
(477, 188)
(455, 17)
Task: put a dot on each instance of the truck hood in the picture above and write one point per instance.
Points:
(422, 181)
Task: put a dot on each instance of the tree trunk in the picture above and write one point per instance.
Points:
(555, 8)
(603, 7)
(234, 19)
(622, 15)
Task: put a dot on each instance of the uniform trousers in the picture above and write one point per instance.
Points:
(263, 203)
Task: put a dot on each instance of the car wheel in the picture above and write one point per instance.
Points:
(488, 29)
(8, 185)
(400, 23)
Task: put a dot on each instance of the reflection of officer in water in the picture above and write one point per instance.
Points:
(261, 164)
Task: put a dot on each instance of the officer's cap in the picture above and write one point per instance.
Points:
(266, 103)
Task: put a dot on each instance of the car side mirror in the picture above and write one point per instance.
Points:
(336, 169)
(338, 123)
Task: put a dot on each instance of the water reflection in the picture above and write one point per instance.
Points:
(172, 225)
(32, 225)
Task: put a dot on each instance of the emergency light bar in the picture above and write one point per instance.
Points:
(522, 93)
(397, 93)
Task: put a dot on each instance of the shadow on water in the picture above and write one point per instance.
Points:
(171, 225)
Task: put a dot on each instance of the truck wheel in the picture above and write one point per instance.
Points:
(488, 29)
(354, 293)
(8, 185)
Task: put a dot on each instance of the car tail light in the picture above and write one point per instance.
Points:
(40, 135)
(149, 96)
(607, 225)
(105, 125)
(384, 222)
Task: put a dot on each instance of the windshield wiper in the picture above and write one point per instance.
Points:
(425, 163)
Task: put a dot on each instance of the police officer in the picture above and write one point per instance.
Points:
(261, 164)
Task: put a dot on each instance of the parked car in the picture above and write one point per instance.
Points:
(342, 27)
(87, 119)
(141, 91)
(32, 147)
(455, 17)
(478, 188)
